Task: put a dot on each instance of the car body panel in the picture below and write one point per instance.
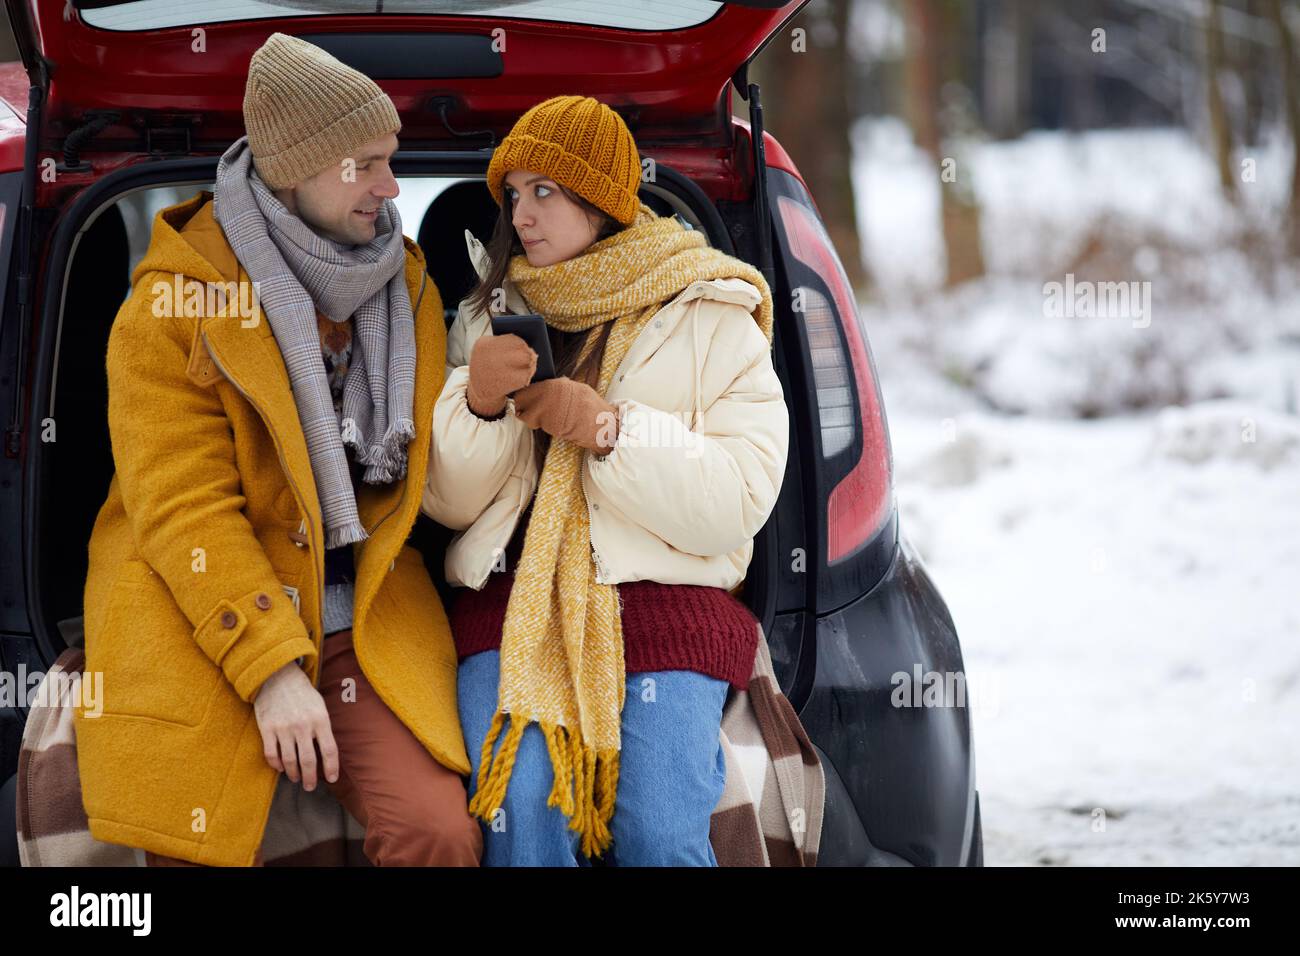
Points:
(908, 769)
(667, 83)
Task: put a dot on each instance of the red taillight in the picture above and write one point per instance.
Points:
(858, 505)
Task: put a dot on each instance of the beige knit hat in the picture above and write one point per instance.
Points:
(305, 110)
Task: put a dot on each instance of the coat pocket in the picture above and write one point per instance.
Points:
(152, 666)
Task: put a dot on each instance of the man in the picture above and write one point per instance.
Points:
(250, 599)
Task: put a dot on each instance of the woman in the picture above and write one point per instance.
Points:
(595, 664)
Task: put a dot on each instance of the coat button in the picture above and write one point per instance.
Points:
(262, 600)
(228, 619)
(596, 506)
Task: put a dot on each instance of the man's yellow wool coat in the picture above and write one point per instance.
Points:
(200, 543)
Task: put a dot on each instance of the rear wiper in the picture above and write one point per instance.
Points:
(442, 105)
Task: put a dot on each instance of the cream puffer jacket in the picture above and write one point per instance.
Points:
(701, 453)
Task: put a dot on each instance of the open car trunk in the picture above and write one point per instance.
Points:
(156, 76)
(90, 263)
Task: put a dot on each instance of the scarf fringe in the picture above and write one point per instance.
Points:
(386, 460)
(348, 533)
(585, 779)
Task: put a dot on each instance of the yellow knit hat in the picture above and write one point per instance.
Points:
(580, 143)
(305, 110)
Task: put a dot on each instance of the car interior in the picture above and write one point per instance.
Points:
(79, 463)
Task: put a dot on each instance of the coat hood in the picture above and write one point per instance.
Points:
(186, 239)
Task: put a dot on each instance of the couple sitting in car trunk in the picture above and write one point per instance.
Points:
(252, 600)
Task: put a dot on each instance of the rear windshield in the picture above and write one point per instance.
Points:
(624, 15)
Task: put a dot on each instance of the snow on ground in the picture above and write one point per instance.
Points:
(1128, 612)
(1125, 587)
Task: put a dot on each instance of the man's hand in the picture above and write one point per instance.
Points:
(570, 410)
(292, 717)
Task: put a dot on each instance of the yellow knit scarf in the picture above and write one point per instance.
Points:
(562, 645)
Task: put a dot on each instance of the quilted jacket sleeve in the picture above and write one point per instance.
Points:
(470, 458)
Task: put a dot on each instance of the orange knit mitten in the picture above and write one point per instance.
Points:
(570, 410)
(498, 365)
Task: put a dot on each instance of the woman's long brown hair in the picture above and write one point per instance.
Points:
(565, 346)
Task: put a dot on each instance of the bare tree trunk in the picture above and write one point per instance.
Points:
(1220, 130)
(1006, 69)
(806, 106)
(836, 175)
(1291, 98)
(922, 71)
(1252, 71)
(929, 62)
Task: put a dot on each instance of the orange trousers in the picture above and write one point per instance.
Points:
(413, 808)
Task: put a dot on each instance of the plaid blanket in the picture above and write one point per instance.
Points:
(770, 813)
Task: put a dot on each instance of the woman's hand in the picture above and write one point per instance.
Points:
(498, 365)
(570, 410)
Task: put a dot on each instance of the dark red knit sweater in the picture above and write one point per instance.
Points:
(665, 626)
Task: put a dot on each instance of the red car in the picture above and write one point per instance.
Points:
(118, 108)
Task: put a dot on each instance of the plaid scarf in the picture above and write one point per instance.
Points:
(297, 271)
(562, 644)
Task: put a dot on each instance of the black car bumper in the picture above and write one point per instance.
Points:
(888, 711)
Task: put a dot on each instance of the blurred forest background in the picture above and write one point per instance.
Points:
(1108, 502)
(1124, 140)
(1226, 70)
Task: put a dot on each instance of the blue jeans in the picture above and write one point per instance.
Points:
(671, 774)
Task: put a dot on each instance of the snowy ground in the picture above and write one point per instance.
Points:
(1125, 587)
